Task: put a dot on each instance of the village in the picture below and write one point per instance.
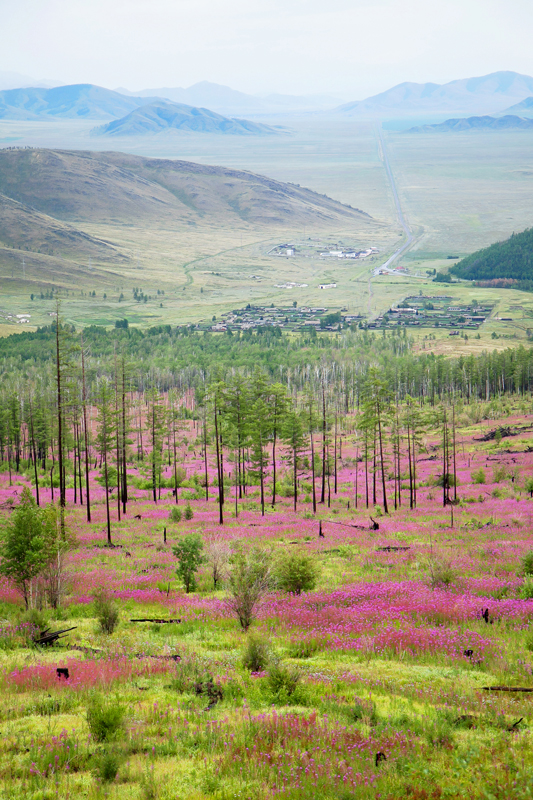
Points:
(312, 249)
(434, 311)
(428, 311)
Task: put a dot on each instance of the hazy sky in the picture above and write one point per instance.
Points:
(355, 47)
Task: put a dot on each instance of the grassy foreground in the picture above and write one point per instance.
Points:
(372, 685)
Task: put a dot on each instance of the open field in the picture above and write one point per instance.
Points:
(389, 654)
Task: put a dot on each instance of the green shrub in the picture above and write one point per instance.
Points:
(107, 765)
(105, 719)
(478, 475)
(282, 681)
(189, 514)
(526, 590)
(190, 557)
(499, 474)
(249, 580)
(106, 609)
(190, 671)
(175, 515)
(256, 654)
(36, 618)
(296, 572)
(441, 573)
(527, 563)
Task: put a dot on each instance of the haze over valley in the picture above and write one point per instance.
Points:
(445, 187)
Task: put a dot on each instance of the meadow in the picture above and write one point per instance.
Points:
(372, 684)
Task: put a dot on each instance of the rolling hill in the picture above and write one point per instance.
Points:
(79, 101)
(484, 95)
(507, 122)
(164, 116)
(510, 260)
(78, 186)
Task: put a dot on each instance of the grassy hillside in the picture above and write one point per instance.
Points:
(115, 186)
(511, 259)
(24, 228)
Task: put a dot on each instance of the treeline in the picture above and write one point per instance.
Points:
(75, 412)
(512, 259)
(186, 359)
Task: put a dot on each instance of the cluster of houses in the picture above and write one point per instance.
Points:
(289, 250)
(350, 253)
(292, 318)
(433, 312)
(19, 319)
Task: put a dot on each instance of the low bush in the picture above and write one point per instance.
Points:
(478, 476)
(190, 671)
(107, 612)
(189, 514)
(256, 655)
(189, 552)
(105, 719)
(441, 573)
(526, 590)
(282, 682)
(107, 765)
(499, 474)
(296, 571)
(526, 563)
(175, 515)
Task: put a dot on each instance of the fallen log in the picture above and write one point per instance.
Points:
(157, 621)
(391, 549)
(47, 638)
(507, 689)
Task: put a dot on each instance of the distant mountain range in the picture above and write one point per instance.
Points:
(507, 122)
(500, 93)
(79, 101)
(14, 80)
(227, 101)
(485, 95)
(162, 115)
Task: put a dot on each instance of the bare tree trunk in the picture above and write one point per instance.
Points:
(219, 470)
(62, 488)
(85, 431)
(323, 489)
(382, 459)
(34, 456)
(124, 443)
